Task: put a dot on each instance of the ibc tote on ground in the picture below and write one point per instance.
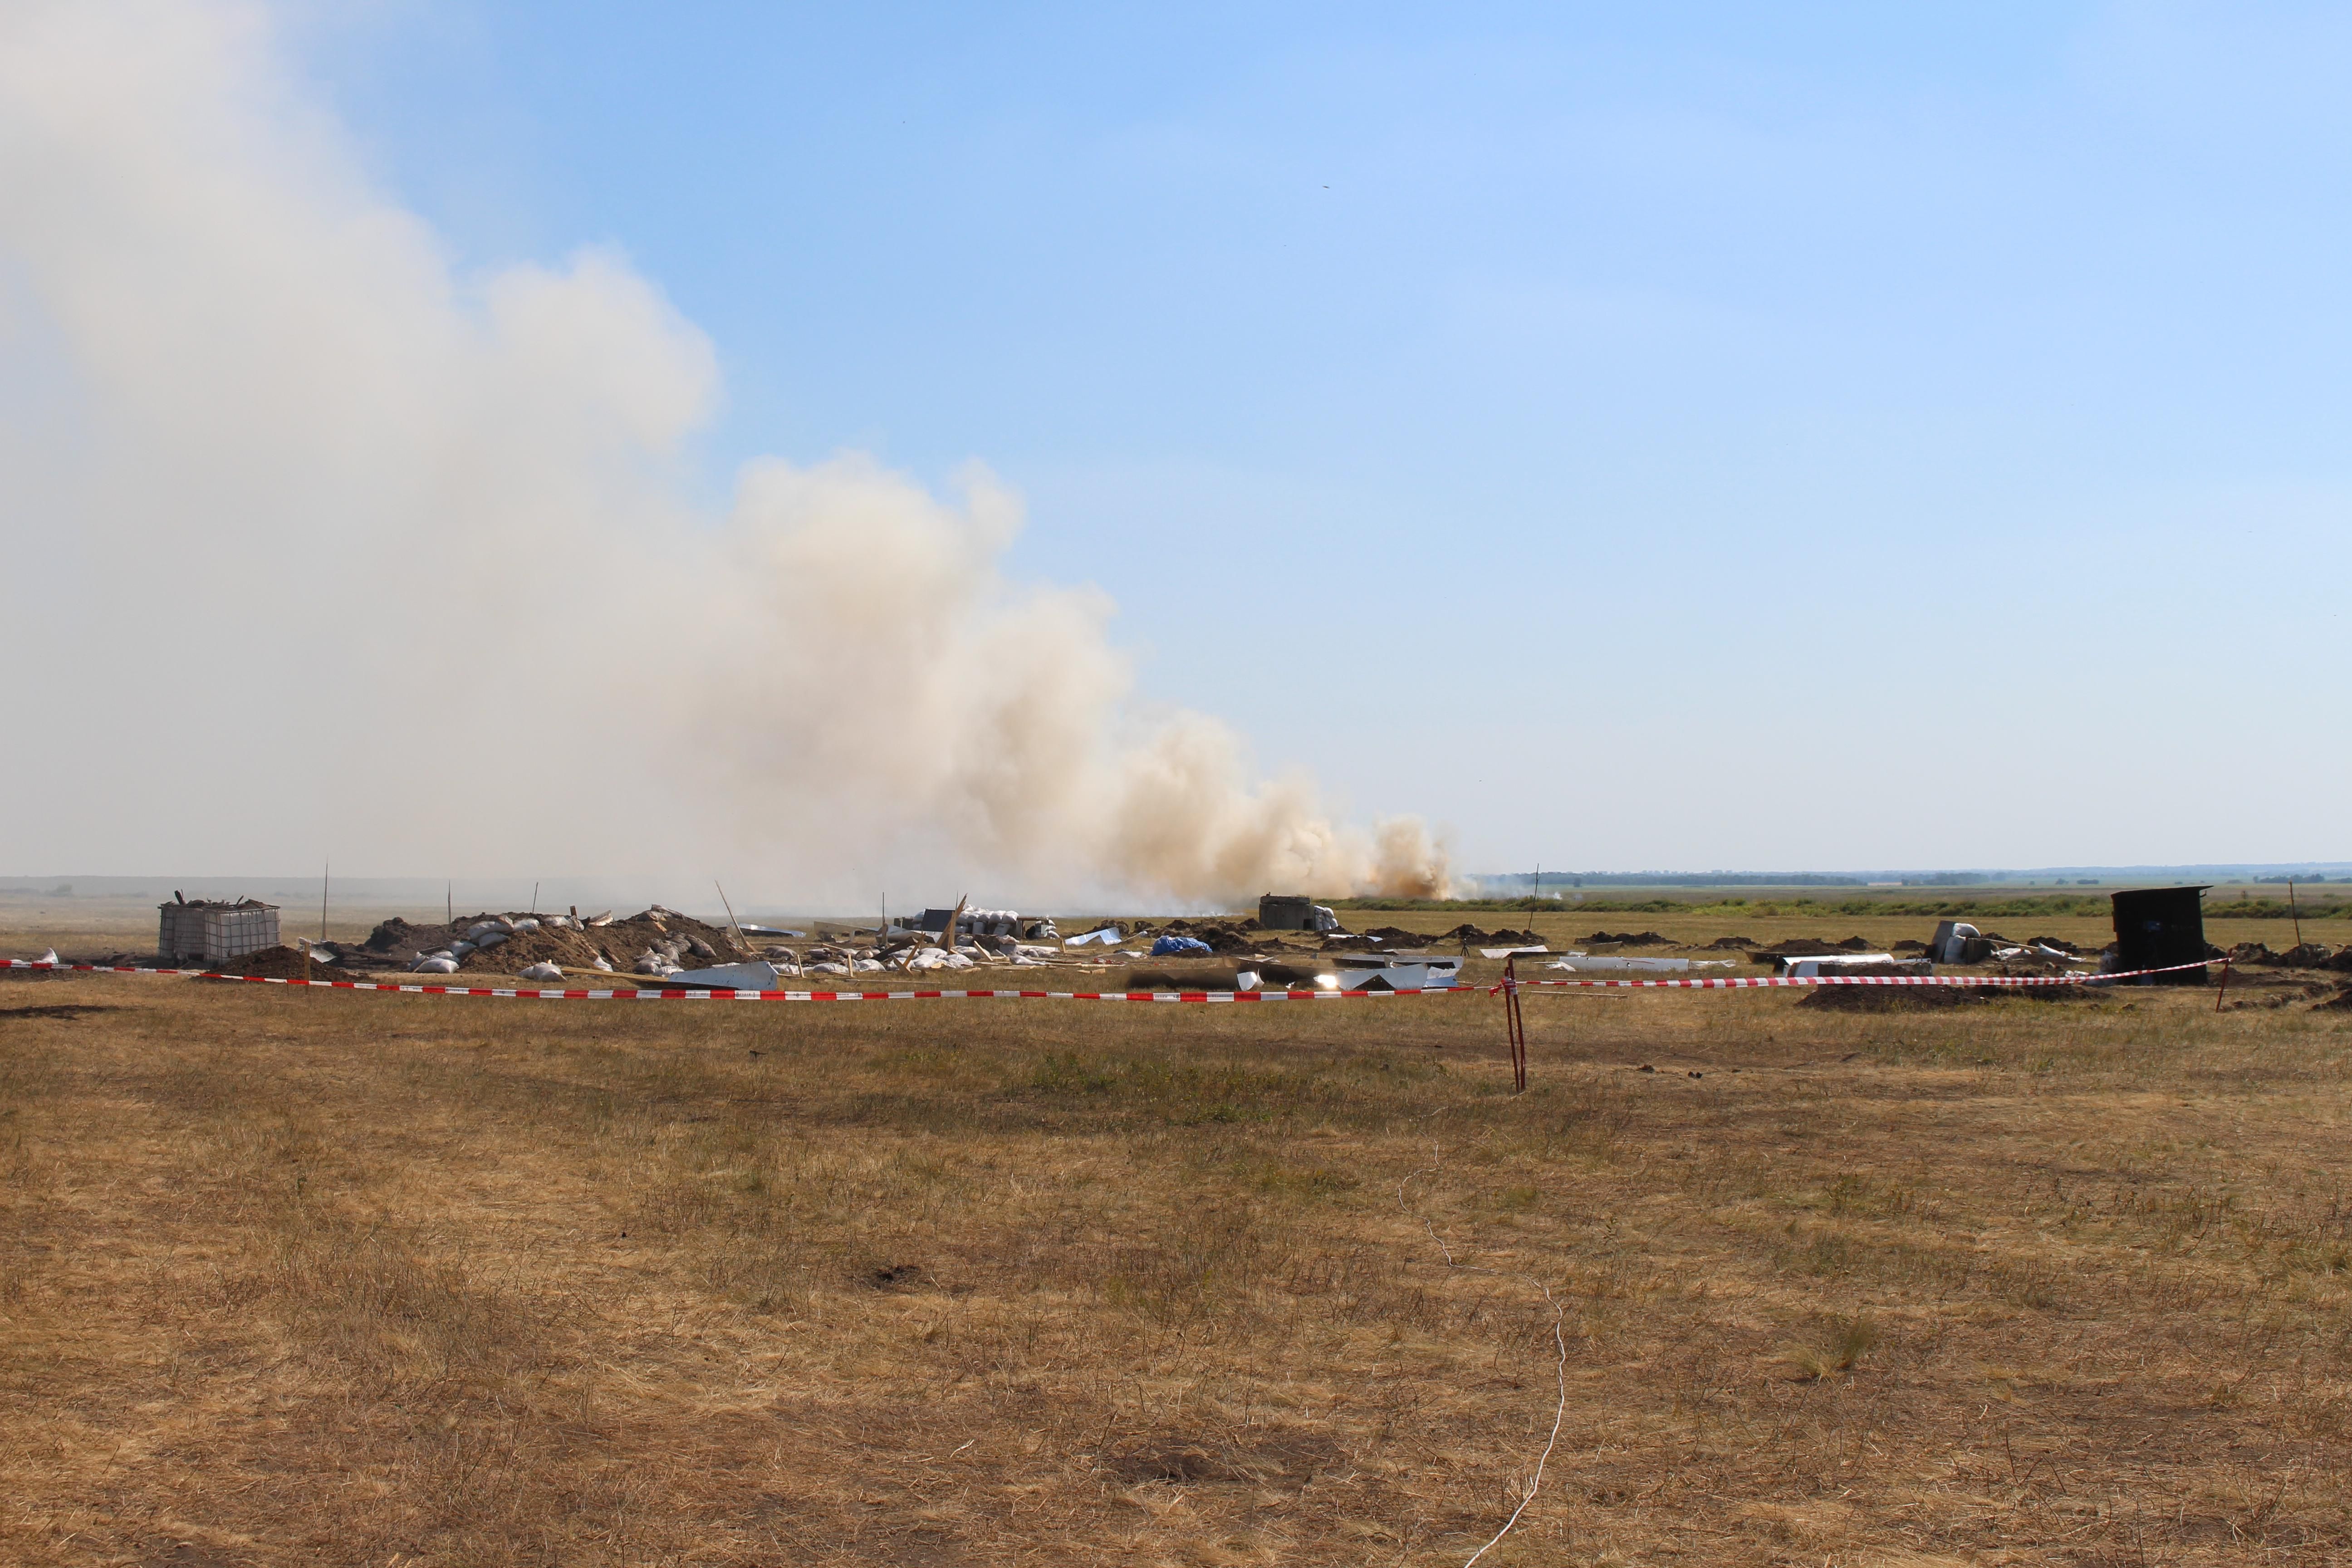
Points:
(211, 931)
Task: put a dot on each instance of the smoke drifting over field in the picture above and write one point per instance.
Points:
(339, 552)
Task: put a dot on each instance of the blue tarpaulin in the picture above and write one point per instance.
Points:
(1179, 947)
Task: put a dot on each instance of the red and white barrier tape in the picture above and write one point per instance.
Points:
(1775, 982)
(676, 995)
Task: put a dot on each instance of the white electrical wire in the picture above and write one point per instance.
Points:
(1558, 1339)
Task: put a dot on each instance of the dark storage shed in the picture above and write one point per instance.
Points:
(1278, 912)
(2156, 927)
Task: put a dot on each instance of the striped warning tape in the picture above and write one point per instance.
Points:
(1775, 982)
(675, 993)
(678, 994)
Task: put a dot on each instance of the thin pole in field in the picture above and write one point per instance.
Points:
(730, 917)
(2295, 909)
(324, 870)
(1515, 1025)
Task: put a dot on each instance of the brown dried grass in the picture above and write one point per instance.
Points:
(297, 1278)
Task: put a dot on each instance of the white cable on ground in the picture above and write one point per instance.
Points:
(1558, 1339)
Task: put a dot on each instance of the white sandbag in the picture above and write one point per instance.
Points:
(488, 939)
(460, 948)
(539, 971)
(48, 956)
(650, 963)
(828, 969)
(867, 966)
(524, 925)
(436, 966)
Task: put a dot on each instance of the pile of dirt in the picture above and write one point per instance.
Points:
(1222, 936)
(1929, 998)
(1908, 945)
(1810, 947)
(1466, 933)
(1629, 939)
(2058, 943)
(1723, 944)
(2340, 1003)
(287, 964)
(397, 943)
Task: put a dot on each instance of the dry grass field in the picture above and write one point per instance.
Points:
(294, 1278)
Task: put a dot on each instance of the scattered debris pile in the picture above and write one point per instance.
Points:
(656, 941)
(1628, 938)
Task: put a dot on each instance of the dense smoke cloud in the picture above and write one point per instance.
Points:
(318, 546)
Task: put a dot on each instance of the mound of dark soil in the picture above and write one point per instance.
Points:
(283, 964)
(1222, 936)
(1908, 945)
(1931, 998)
(1630, 939)
(1722, 942)
(1466, 933)
(1169, 980)
(397, 936)
(1808, 947)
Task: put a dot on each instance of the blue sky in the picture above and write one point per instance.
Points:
(1657, 427)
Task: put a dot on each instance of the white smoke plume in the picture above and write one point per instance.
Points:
(316, 546)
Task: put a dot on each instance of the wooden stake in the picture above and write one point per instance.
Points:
(1515, 1025)
(2295, 909)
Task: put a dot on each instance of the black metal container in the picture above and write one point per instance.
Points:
(2156, 927)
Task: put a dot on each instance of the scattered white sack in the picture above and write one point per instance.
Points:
(955, 961)
(651, 963)
(604, 964)
(539, 971)
(50, 956)
(434, 965)
(867, 966)
(828, 969)
(1248, 980)
(1037, 955)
